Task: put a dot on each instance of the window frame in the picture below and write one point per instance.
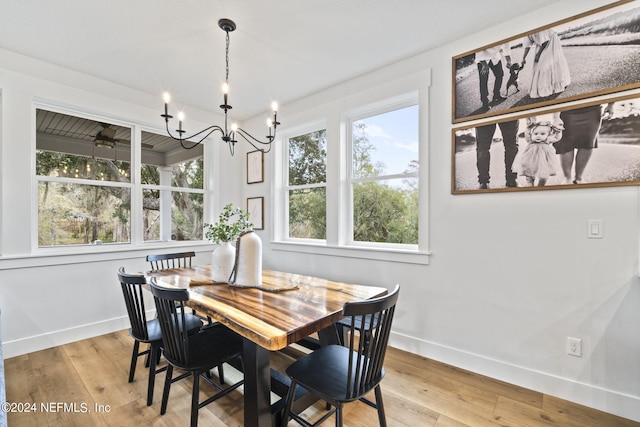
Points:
(378, 108)
(288, 187)
(411, 90)
(135, 187)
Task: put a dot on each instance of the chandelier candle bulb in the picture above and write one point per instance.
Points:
(180, 119)
(225, 92)
(166, 98)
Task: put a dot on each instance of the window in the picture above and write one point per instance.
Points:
(83, 174)
(173, 197)
(90, 191)
(349, 183)
(306, 189)
(384, 176)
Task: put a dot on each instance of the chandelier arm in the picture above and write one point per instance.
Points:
(251, 139)
(182, 140)
(209, 131)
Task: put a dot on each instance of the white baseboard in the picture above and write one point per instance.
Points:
(610, 401)
(52, 339)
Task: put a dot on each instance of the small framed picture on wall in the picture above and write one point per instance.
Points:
(255, 207)
(255, 167)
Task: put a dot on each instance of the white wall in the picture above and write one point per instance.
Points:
(511, 275)
(48, 298)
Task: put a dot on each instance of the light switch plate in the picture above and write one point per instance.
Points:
(595, 229)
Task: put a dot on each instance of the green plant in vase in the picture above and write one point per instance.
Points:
(231, 222)
(226, 230)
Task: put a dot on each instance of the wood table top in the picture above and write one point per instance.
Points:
(272, 319)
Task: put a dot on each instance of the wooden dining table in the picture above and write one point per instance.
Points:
(286, 309)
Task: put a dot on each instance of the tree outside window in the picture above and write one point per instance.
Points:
(85, 184)
(307, 174)
(384, 181)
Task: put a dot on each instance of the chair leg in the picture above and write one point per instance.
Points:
(287, 409)
(134, 360)
(339, 416)
(167, 388)
(152, 374)
(195, 399)
(379, 404)
(146, 358)
(221, 374)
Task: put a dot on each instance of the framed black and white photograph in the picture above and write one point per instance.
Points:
(595, 53)
(255, 207)
(255, 167)
(593, 144)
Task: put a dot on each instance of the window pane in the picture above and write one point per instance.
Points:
(186, 216)
(386, 144)
(188, 174)
(386, 211)
(72, 214)
(307, 213)
(151, 215)
(150, 174)
(308, 158)
(75, 147)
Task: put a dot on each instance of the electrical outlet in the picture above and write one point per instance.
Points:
(574, 347)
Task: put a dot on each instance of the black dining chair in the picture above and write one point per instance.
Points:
(196, 354)
(175, 260)
(143, 330)
(341, 374)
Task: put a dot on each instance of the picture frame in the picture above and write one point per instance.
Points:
(255, 167)
(591, 54)
(613, 123)
(255, 207)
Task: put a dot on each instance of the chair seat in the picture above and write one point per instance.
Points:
(194, 323)
(210, 347)
(325, 372)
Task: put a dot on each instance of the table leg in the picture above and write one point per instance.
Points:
(257, 385)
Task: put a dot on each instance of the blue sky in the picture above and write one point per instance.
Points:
(395, 136)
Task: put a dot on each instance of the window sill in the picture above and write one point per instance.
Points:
(95, 253)
(377, 254)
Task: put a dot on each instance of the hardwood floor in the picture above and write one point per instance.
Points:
(90, 377)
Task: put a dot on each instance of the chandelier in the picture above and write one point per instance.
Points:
(229, 133)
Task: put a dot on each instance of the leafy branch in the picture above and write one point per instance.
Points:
(225, 231)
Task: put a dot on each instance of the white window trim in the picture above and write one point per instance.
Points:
(281, 182)
(136, 240)
(336, 244)
(381, 107)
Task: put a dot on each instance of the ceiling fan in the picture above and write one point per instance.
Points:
(106, 138)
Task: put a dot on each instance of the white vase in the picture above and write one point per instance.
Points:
(249, 267)
(222, 261)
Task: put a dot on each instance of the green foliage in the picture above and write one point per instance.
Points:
(385, 214)
(383, 211)
(225, 231)
(308, 158)
(308, 214)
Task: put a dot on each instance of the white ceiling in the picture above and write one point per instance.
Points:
(282, 49)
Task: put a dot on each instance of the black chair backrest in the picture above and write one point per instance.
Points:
(133, 297)
(171, 311)
(368, 338)
(164, 261)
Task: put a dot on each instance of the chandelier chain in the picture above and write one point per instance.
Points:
(226, 78)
